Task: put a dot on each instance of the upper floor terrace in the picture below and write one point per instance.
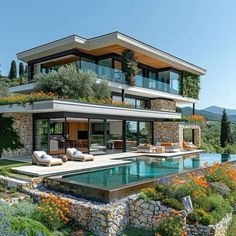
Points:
(159, 74)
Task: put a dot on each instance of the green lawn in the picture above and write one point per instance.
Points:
(6, 165)
(10, 164)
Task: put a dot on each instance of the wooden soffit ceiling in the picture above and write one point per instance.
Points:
(119, 49)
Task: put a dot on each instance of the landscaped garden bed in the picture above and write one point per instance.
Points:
(156, 211)
(213, 195)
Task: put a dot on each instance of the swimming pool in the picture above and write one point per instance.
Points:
(139, 173)
(142, 168)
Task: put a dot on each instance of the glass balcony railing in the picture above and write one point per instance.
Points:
(111, 74)
(103, 72)
(115, 75)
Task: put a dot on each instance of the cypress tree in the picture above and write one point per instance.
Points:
(13, 70)
(225, 132)
(21, 70)
(26, 70)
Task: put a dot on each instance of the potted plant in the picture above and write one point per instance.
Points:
(129, 66)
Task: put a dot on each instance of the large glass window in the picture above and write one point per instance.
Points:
(169, 81)
(132, 135)
(105, 62)
(87, 64)
(152, 79)
(118, 74)
(97, 136)
(41, 135)
(145, 132)
(164, 79)
(139, 78)
(114, 136)
(134, 102)
(57, 137)
(174, 82)
(130, 101)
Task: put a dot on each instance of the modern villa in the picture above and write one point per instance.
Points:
(162, 83)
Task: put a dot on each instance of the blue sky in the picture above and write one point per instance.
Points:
(200, 31)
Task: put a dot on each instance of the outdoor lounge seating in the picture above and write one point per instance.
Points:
(42, 158)
(75, 155)
(145, 148)
(189, 146)
(169, 147)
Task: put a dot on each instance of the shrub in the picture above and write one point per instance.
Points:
(24, 209)
(170, 226)
(215, 205)
(206, 219)
(26, 98)
(193, 217)
(149, 194)
(199, 216)
(52, 211)
(31, 227)
(9, 138)
(173, 203)
(72, 83)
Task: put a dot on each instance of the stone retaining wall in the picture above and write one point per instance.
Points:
(23, 123)
(144, 214)
(111, 219)
(218, 229)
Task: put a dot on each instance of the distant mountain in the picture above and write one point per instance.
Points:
(211, 113)
(219, 110)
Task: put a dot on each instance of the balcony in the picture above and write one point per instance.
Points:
(171, 85)
(118, 76)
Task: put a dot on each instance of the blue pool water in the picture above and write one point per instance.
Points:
(144, 168)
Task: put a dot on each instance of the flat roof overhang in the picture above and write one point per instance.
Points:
(88, 110)
(114, 42)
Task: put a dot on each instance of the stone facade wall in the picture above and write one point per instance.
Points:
(197, 132)
(166, 132)
(163, 105)
(218, 229)
(174, 132)
(23, 123)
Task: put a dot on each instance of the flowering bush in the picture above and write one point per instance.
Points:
(170, 225)
(194, 118)
(53, 211)
(223, 173)
(194, 186)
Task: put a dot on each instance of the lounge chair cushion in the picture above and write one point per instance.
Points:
(46, 157)
(73, 151)
(81, 155)
(40, 154)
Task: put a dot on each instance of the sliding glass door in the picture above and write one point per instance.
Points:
(41, 128)
(131, 135)
(98, 136)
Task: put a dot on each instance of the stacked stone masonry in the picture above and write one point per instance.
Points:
(174, 132)
(23, 123)
(163, 105)
(111, 219)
